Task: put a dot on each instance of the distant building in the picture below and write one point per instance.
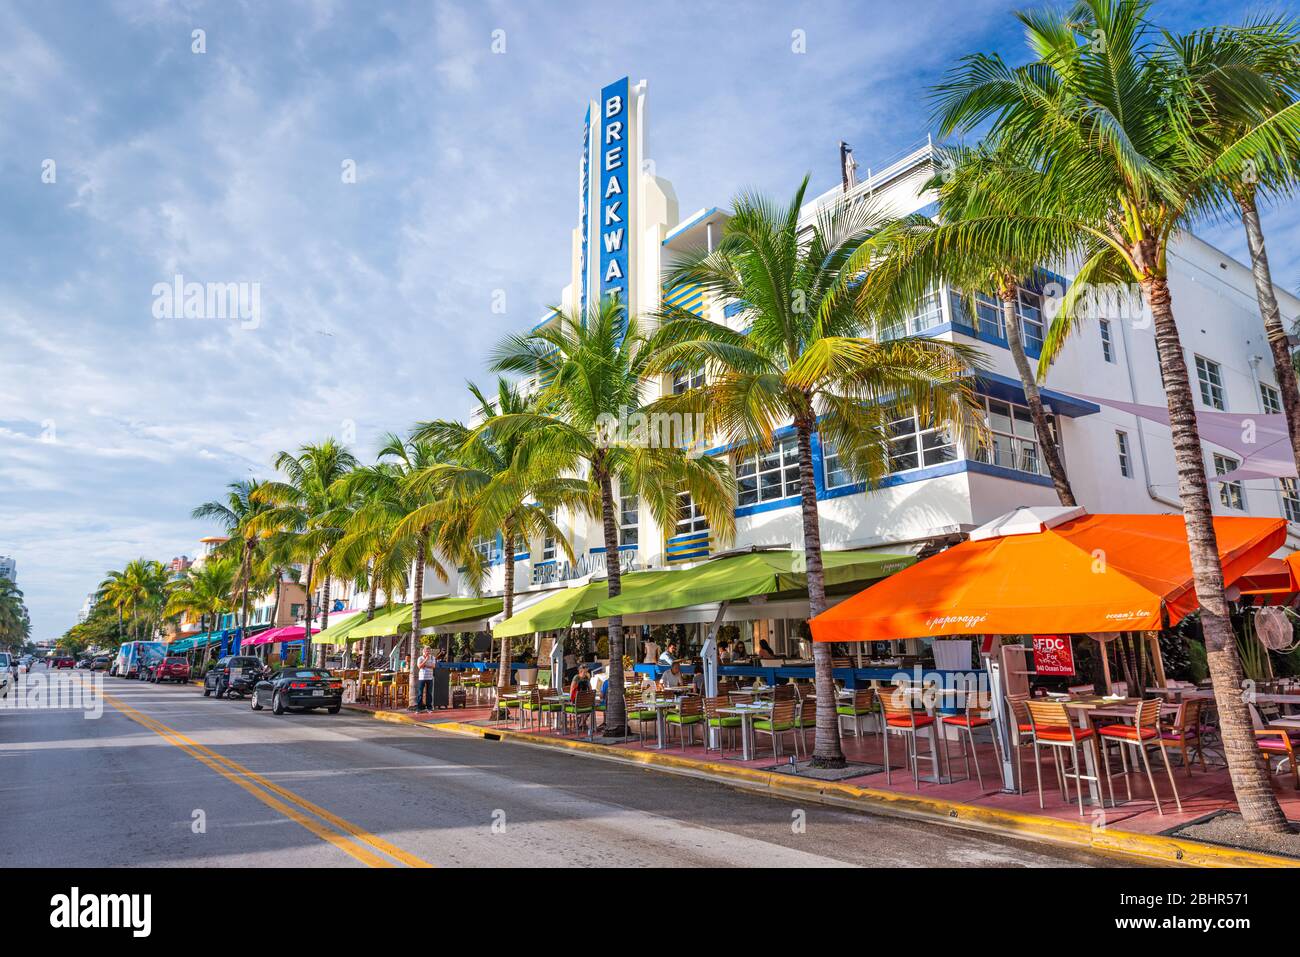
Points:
(86, 608)
(8, 568)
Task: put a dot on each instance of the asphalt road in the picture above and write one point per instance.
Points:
(166, 777)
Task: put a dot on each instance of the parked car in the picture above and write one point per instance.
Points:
(305, 688)
(99, 663)
(62, 661)
(234, 674)
(171, 668)
(7, 677)
(83, 663)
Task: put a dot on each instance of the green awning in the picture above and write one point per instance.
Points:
(435, 611)
(738, 577)
(569, 606)
(342, 632)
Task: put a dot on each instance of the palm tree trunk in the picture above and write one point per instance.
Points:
(615, 705)
(507, 609)
(243, 627)
(827, 752)
(417, 589)
(1046, 441)
(1278, 343)
(324, 620)
(1255, 798)
(311, 568)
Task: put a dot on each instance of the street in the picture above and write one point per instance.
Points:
(166, 777)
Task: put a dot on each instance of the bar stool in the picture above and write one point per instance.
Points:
(856, 710)
(689, 713)
(900, 718)
(1144, 733)
(974, 716)
(1052, 728)
(712, 719)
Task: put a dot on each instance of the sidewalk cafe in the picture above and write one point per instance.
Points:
(1019, 670)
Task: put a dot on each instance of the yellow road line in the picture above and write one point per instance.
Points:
(245, 778)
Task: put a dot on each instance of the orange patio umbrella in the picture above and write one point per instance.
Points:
(1272, 577)
(1092, 573)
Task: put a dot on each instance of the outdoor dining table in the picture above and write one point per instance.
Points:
(1086, 708)
(661, 705)
(746, 713)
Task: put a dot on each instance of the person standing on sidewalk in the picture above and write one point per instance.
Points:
(424, 686)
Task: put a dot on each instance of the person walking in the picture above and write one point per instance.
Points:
(424, 685)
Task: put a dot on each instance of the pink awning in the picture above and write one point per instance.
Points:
(287, 633)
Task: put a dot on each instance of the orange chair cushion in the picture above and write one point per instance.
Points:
(1127, 732)
(965, 721)
(1062, 733)
(922, 721)
(1026, 728)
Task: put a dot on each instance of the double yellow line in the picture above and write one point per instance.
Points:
(346, 836)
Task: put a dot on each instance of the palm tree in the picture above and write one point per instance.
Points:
(305, 506)
(594, 369)
(15, 627)
(1236, 78)
(918, 254)
(1096, 111)
(804, 360)
(499, 474)
(370, 549)
(206, 591)
(236, 515)
(432, 522)
(138, 592)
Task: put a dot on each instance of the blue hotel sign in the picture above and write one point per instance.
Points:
(614, 207)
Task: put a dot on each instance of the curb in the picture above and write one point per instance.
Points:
(1153, 848)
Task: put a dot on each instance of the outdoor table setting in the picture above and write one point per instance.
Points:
(746, 713)
(661, 707)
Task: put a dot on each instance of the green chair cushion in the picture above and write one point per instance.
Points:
(724, 722)
(685, 719)
(806, 722)
(849, 710)
(763, 724)
(574, 709)
(641, 715)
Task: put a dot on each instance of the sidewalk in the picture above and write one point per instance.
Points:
(1134, 827)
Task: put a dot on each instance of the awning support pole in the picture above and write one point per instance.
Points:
(709, 658)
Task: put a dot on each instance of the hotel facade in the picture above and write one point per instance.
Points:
(629, 231)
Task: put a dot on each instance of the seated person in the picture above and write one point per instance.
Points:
(765, 650)
(724, 652)
(669, 655)
(738, 652)
(581, 682)
(673, 677)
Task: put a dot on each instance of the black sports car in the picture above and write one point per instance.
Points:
(305, 688)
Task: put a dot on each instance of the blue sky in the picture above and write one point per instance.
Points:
(376, 296)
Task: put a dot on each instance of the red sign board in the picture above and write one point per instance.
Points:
(1053, 655)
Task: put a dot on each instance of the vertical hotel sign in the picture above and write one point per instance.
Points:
(614, 207)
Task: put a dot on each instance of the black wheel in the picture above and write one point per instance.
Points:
(333, 710)
(221, 691)
(257, 705)
(207, 692)
(277, 706)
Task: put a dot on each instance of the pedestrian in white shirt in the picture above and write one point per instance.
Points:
(424, 686)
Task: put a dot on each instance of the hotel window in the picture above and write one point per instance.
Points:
(1013, 442)
(689, 517)
(1231, 494)
(1290, 499)
(629, 527)
(1107, 346)
(1029, 310)
(487, 548)
(687, 380)
(769, 476)
(988, 314)
(927, 315)
(1270, 398)
(910, 447)
(548, 541)
(1125, 466)
(1210, 377)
